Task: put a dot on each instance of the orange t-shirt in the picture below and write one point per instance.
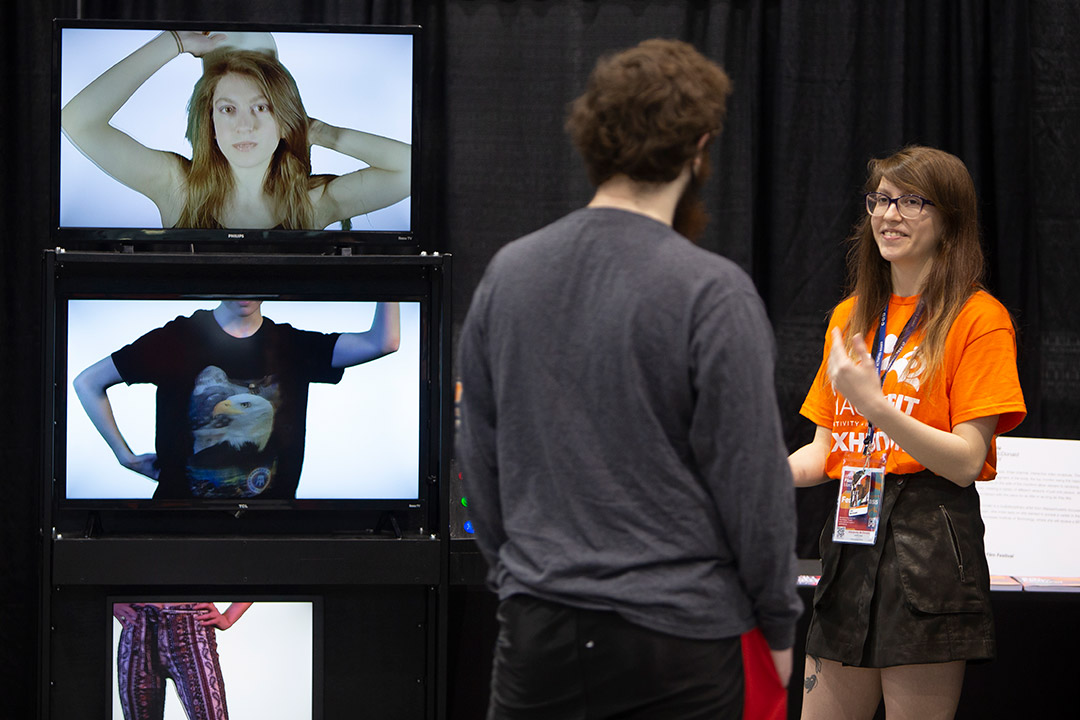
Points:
(978, 379)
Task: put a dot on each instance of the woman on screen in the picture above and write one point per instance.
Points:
(232, 396)
(172, 640)
(250, 138)
(904, 603)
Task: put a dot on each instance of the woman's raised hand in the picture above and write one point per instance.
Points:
(318, 133)
(199, 43)
(854, 376)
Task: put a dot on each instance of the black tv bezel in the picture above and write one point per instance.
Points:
(233, 240)
(395, 277)
(318, 628)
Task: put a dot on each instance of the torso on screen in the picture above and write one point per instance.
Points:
(231, 412)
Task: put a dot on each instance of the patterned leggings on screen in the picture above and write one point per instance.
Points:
(163, 643)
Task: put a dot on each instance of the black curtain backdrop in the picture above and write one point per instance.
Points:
(819, 88)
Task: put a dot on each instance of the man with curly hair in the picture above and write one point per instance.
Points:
(620, 438)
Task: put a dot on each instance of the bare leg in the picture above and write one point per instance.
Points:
(923, 692)
(832, 691)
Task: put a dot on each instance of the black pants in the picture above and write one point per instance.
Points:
(554, 662)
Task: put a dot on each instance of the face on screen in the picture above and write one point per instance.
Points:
(244, 126)
(242, 308)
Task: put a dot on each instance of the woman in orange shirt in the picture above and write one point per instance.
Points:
(918, 377)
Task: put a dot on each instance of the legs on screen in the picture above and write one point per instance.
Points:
(141, 683)
(165, 643)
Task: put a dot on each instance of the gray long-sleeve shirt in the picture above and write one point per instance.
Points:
(620, 438)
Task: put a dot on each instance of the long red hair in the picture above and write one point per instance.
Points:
(209, 177)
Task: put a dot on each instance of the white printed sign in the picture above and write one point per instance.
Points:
(1032, 508)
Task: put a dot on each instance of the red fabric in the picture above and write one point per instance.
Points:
(766, 698)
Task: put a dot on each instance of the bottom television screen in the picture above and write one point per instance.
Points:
(196, 656)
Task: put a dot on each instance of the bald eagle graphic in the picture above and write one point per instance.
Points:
(224, 412)
(238, 420)
(231, 425)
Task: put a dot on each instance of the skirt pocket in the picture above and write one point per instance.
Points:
(941, 557)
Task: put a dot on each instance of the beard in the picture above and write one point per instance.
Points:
(690, 218)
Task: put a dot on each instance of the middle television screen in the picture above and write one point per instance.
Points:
(310, 406)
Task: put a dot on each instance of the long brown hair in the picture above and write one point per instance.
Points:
(956, 272)
(209, 177)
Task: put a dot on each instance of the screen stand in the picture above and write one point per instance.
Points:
(93, 525)
(388, 518)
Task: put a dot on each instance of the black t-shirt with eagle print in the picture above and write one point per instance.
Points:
(231, 412)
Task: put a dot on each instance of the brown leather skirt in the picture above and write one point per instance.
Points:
(920, 594)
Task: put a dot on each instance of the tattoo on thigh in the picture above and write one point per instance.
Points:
(811, 680)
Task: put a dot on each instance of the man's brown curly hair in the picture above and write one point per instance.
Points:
(645, 109)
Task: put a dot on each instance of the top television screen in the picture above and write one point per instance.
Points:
(234, 131)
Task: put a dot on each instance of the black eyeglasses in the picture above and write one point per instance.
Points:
(877, 204)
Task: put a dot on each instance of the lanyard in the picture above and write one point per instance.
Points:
(879, 357)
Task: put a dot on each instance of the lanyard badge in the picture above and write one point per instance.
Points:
(862, 480)
(858, 509)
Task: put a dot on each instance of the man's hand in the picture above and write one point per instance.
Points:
(782, 661)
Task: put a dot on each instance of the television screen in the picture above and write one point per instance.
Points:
(349, 648)
(235, 132)
(242, 383)
(208, 657)
(360, 425)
